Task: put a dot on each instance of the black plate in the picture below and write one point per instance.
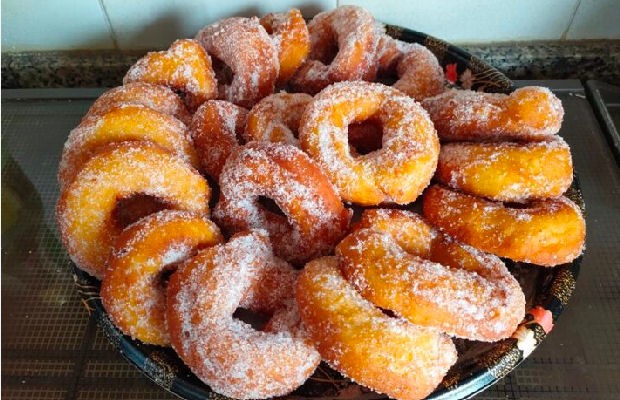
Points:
(479, 365)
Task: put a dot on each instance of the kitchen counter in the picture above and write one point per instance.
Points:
(53, 349)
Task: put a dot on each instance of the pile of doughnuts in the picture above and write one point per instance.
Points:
(263, 166)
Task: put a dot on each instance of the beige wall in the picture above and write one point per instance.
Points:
(141, 24)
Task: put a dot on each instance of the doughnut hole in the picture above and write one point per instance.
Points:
(130, 209)
(223, 73)
(256, 319)
(271, 206)
(365, 137)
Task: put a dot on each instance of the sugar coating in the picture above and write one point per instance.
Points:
(244, 46)
(85, 208)
(476, 298)
(132, 291)
(184, 67)
(349, 29)
(388, 355)
(315, 216)
(125, 122)
(544, 232)
(419, 73)
(399, 171)
(276, 118)
(159, 98)
(507, 171)
(226, 353)
(289, 33)
(217, 128)
(528, 113)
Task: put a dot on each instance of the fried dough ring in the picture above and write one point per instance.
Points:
(229, 355)
(343, 49)
(290, 34)
(276, 118)
(388, 355)
(398, 262)
(244, 46)
(396, 173)
(159, 98)
(131, 291)
(528, 113)
(547, 232)
(185, 68)
(315, 218)
(514, 172)
(119, 124)
(217, 129)
(419, 73)
(85, 208)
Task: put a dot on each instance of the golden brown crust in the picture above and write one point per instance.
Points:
(185, 68)
(132, 291)
(396, 173)
(85, 208)
(547, 232)
(388, 355)
(508, 171)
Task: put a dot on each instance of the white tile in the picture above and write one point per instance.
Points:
(54, 25)
(143, 24)
(475, 21)
(596, 19)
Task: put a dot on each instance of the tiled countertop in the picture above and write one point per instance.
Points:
(586, 59)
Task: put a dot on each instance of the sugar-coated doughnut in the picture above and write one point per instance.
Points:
(217, 129)
(388, 355)
(314, 217)
(118, 124)
(396, 173)
(419, 73)
(398, 262)
(507, 171)
(546, 232)
(226, 353)
(276, 118)
(159, 98)
(132, 291)
(185, 67)
(290, 34)
(344, 42)
(86, 206)
(528, 113)
(241, 47)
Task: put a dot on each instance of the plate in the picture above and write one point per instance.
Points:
(479, 365)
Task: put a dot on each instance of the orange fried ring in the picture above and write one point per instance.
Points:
(290, 34)
(547, 233)
(388, 355)
(276, 118)
(217, 129)
(185, 67)
(528, 113)
(398, 262)
(314, 218)
(244, 46)
(343, 48)
(86, 206)
(132, 291)
(420, 75)
(399, 171)
(506, 171)
(119, 124)
(159, 98)
(229, 355)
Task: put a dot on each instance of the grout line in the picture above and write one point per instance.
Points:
(570, 21)
(109, 22)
